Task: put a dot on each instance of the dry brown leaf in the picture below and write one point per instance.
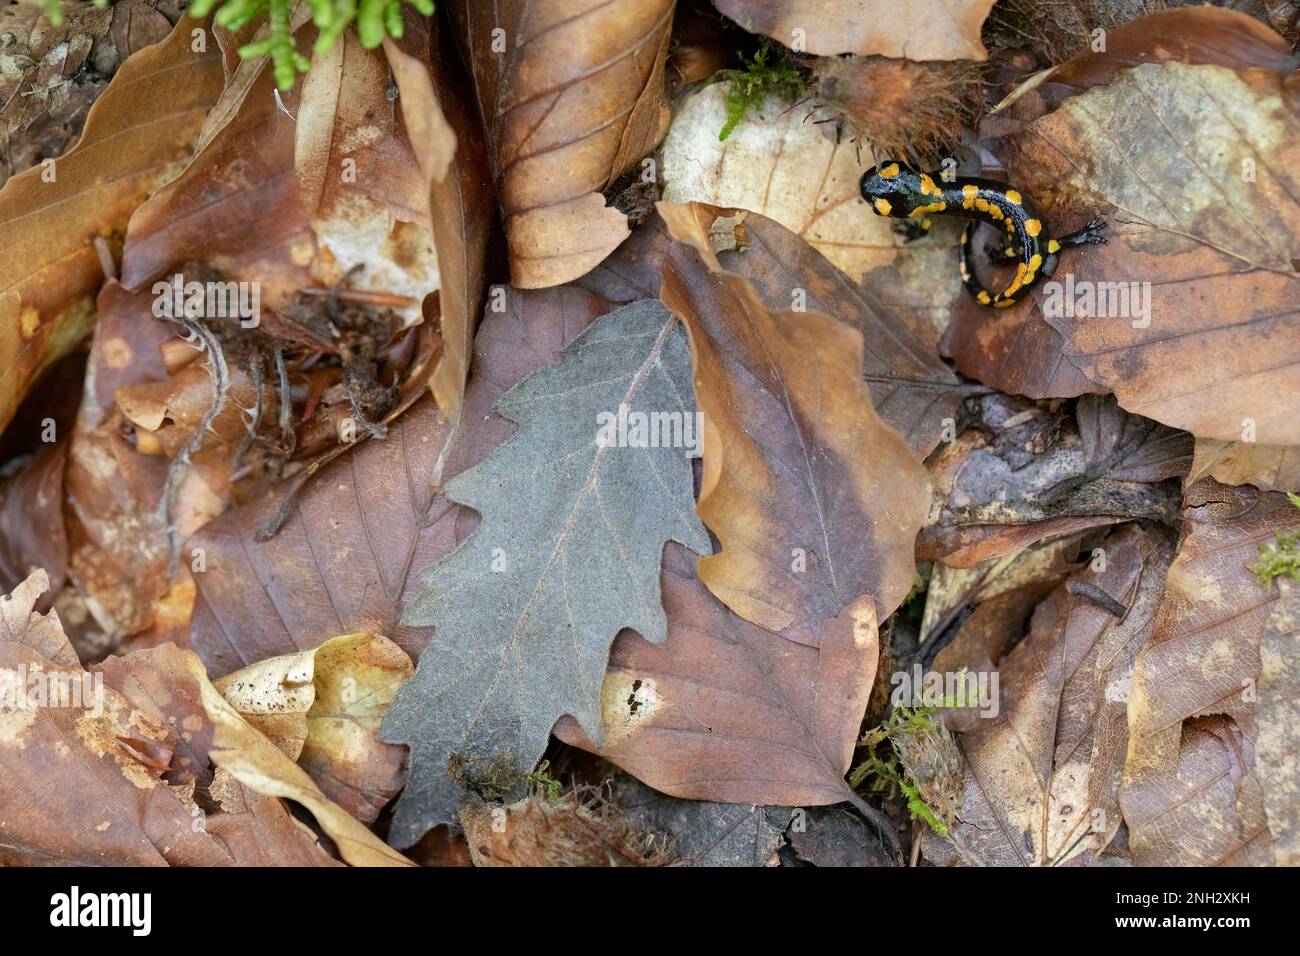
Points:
(257, 763)
(796, 462)
(84, 782)
(792, 171)
(448, 141)
(571, 95)
(1204, 199)
(1267, 467)
(575, 829)
(1192, 793)
(341, 563)
(132, 139)
(242, 174)
(1043, 774)
(917, 30)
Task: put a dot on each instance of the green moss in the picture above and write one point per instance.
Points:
(1280, 556)
(751, 85)
(883, 773)
(374, 19)
(542, 781)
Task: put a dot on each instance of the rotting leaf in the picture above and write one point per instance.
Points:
(569, 106)
(1193, 758)
(574, 523)
(795, 458)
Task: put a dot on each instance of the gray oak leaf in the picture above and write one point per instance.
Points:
(568, 554)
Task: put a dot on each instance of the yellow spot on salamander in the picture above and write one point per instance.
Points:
(882, 206)
(928, 188)
(995, 212)
(968, 194)
(927, 223)
(1011, 225)
(1033, 227)
(888, 172)
(1005, 303)
(983, 297)
(1013, 196)
(1053, 245)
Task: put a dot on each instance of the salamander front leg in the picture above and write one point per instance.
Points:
(1091, 234)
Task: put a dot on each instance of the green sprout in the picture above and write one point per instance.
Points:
(1279, 557)
(374, 19)
(542, 780)
(751, 85)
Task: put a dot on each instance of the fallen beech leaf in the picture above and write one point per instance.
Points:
(322, 707)
(1279, 723)
(795, 459)
(448, 141)
(730, 712)
(525, 610)
(50, 271)
(242, 173)
(1191, 793)
(836, 837)
(1043, 775)
(74, 794)
(358, 179)
(571, 103)
(918, 30)
(342, 561)
(1202, 347)
(258, 764)
(912, 389)
(1267, 467)
(790, 171)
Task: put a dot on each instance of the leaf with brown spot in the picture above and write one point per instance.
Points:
(50, 271)
(571, 103)
(1043, 774)
(816, 501)
(789, 170)
(917, 30)
(1193, 763)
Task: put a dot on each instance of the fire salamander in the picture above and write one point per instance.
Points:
(897, 190)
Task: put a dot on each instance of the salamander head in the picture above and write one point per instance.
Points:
(896, 189)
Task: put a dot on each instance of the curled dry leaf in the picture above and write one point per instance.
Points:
(1192, 792)
(792, 171)
(448, 141)
(101, 767)
(257, 763)
(917, 30)
(1043, 774)
(322, 707)
(571, 102)
(796, 462)
(50, 273)
(1206, 200)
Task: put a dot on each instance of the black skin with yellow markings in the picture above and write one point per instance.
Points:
(900, 191)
